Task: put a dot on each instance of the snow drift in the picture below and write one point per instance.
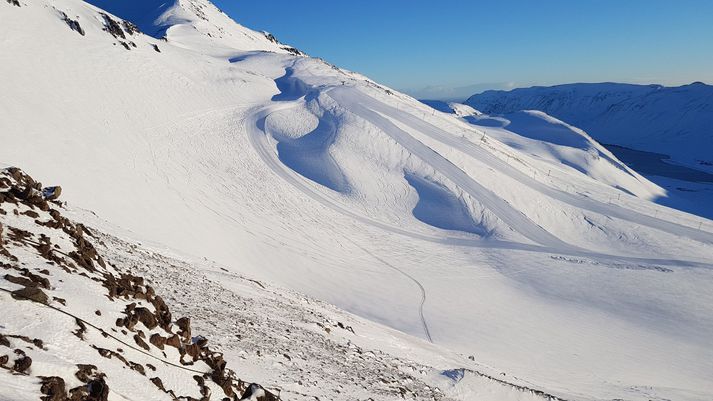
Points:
(675, 121)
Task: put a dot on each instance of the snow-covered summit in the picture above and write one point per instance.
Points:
(192, 23)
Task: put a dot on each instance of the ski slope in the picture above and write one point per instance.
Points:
(543, 259)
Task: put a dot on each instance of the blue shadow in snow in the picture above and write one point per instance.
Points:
(291, 88)
(309, 155)
(440, 208)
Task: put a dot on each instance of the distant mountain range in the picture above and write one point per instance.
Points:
(676, 121)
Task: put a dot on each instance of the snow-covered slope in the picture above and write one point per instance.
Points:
(77, 326)
(90, 316)
(192, 24)
(552, 142)
(547, 262)
(675, 121)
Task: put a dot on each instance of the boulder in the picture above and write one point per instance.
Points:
(53, 388)
(22, 364)
(32, 294)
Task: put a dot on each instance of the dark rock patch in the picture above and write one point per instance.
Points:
(22, 364)
(73, 25)
(31, 294)
(53, 388)
(113, 27)
(141, 343)
(130, 28)
(79, 332)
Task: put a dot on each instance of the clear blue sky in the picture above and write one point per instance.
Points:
(462, 46)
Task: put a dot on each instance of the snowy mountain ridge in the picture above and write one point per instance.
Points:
(178, 20)
(538, 255)
(675, 121)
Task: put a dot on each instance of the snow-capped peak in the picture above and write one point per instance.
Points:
(195, 24)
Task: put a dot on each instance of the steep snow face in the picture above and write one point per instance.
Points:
(178, 21)
(675, 121)
(290, 170)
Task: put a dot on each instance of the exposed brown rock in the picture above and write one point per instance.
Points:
(107, 353)
(79, 332)
(184, 324)
(141, 343)
(31, 293)
(174, 341)
(146, 317)
(137, 367)
(19, 280)
(113, 27)
(85, 372)
(31, 213)
(163, 314)
(124, 286)
(158, 341)
(53, 388)
(158, 383)
(22, 364)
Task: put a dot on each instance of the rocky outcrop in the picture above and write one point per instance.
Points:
(120, 30)
(146, 323)
(73, 25)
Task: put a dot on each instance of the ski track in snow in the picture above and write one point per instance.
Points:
(498, 164)
(515, 219)
(426, 331)
(258, 138)
(258, 135)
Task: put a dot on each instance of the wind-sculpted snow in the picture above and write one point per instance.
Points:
(536, 125)
(558, 142)
(439, 207)
(545, 262)
(291, 87)
(309, 154)
(661, 132)
(674, 121)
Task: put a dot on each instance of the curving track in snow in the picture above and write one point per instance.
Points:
(355, 101)
(545, 242)
(481, 154)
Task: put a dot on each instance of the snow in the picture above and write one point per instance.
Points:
(661, 132)
(674, 121)
(537, 252)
